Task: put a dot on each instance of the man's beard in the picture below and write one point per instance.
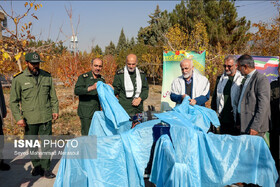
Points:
(35, 73)
(186, 75)
(95, 73)
(228, 72)
(131, 69)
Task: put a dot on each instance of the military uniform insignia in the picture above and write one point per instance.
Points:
(120, 71)
(85, 75)
(35, 56)
(26, 83)
(17, 74)
(141, 71)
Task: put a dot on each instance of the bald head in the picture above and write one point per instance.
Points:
(189, 61)
(187, 68)
(131, 62)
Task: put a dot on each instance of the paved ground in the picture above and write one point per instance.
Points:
(20, 175)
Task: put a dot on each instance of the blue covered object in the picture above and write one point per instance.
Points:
(211, 160)
(194, 159)
(113, 119)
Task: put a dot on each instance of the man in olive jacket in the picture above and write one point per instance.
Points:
(34, 104)
(85, 88)
(131, 86)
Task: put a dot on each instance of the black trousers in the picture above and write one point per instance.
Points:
(1, 141)
(274, 147)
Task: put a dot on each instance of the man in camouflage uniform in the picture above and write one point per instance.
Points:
(34, 91)
(85, 88)
(275, 119)
(125, 85)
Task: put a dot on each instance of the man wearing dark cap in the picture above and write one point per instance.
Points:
(34, 104)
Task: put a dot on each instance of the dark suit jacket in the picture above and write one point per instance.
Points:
(3, 110)
(275, 105)
(255, 105)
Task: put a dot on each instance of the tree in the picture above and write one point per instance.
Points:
(159, 24)
(97, 51)
(15, 44)
(220, 18)
(109, 68)
(122, 44)
(266, 41)
(179, 15)
(131, 43)
(176, 39)
(110, 49)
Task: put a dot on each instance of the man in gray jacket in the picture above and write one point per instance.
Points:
(3, 113)
(254, 101)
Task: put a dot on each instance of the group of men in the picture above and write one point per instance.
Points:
(130, 86)
(241, 98)
(245, 101)
(34, 103)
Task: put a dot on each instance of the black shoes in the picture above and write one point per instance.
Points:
(4, 166)
(37, 171)
(49, 175)
(40, 171)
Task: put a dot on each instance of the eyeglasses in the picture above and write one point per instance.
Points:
(228, 66)
(184, 69)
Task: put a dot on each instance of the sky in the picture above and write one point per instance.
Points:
(102, 21)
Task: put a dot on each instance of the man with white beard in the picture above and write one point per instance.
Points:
(191, 83)
(226, 96)
(131, 86)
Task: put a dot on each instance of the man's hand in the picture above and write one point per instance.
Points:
(111, 86)
(253, 132)
(192, 102)
(55, 116)
(93, 87)
(136, 101)
(21, 123)
(183, 96)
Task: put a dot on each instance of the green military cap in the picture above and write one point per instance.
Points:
(33, 57)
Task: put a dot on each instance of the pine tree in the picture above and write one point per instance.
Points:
(110, 49)
(159, 24)
(131, 43)
(97, 50)
(179, 15)
(122, 44)
(221, 20)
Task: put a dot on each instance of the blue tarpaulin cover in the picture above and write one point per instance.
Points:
(113, 119)
(194, 158)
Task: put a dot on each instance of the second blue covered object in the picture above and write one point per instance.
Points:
(194, 158)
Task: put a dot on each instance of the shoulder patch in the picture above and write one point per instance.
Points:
(85, 75)
(17, 74)
(46, 72)
(141, 71)
(120, 71)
